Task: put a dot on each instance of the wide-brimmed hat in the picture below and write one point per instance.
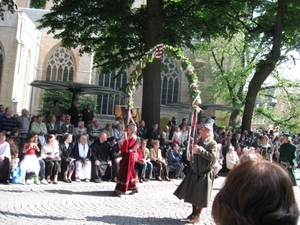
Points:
(208, 123)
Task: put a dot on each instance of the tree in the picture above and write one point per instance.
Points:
(286, 112)
(10, 5)
(119, 34)
(229, 63)
(267, 30)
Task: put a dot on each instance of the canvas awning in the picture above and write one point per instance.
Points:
(204, 106)
(73, 87)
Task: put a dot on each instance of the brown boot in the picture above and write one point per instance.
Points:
(196, 217)
(193, 213)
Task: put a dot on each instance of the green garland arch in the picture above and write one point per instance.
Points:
(156, 53)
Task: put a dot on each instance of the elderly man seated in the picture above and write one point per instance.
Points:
(101, 159)
(5, 158)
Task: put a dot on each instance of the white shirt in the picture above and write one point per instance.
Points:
(5, 150)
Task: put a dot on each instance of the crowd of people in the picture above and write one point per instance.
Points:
(75, 147)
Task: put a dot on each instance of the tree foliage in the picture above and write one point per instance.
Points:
(48, 98)
(119, 34)
(38, 4)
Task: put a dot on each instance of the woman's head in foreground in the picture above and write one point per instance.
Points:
(256, 193)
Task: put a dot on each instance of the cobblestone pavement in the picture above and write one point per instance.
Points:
(91, 203)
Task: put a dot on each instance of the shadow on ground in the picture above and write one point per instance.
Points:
(86, 193)
(113, 219)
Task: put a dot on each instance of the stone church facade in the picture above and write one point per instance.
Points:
(28, 54)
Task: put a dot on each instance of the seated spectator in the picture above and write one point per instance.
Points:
(82, 155)
(153, 132)
(41, 162)
(184, 122)
(30, 163)
(158, 161)
(108, 130)
(68, 127)
(67, 158)
(184, 134)
(39, 127)
(118, 131)
(165, 134)
(142, 130)
(146, 154)
(32, 119)
(238, 149)
(50, 154)
(61, 121)
(5, 158)
(218, 164)
(256, 192)
(232, 158)
(176, 135)
(266, 149)
(2, 111)
(116, 158)
(95, 130)
(7, 122)
(52, 125)
(101, 165)
(15, 137)
(141, 165)
(174, 160)
(14, 151)
(80, 130)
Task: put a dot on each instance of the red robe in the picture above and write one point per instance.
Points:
(126, 179)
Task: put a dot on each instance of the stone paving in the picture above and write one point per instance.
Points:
(91, 203)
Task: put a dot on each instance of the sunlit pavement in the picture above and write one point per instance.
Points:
(91, 203)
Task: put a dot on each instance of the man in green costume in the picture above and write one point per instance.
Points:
(288, 156)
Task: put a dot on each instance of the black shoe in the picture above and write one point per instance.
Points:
(7, 182)
(55, 182)
(70, 181)
(134, 192)
(141, 180)
(66, 180)
(98, 180)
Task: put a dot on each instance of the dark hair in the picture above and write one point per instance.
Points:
(30, 135)
(54, 132)
(56, 101)
(49, 137)
(256, 192)
(14, 130)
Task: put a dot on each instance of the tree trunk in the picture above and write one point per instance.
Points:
(151, 74)
(264, 69)
(233, 118)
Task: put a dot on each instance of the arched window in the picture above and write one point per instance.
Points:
(170, 79)
(60, 66)
(1, 62)
(107, 103)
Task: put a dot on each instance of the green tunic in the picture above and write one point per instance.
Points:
(288, 155)
(198, 192)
